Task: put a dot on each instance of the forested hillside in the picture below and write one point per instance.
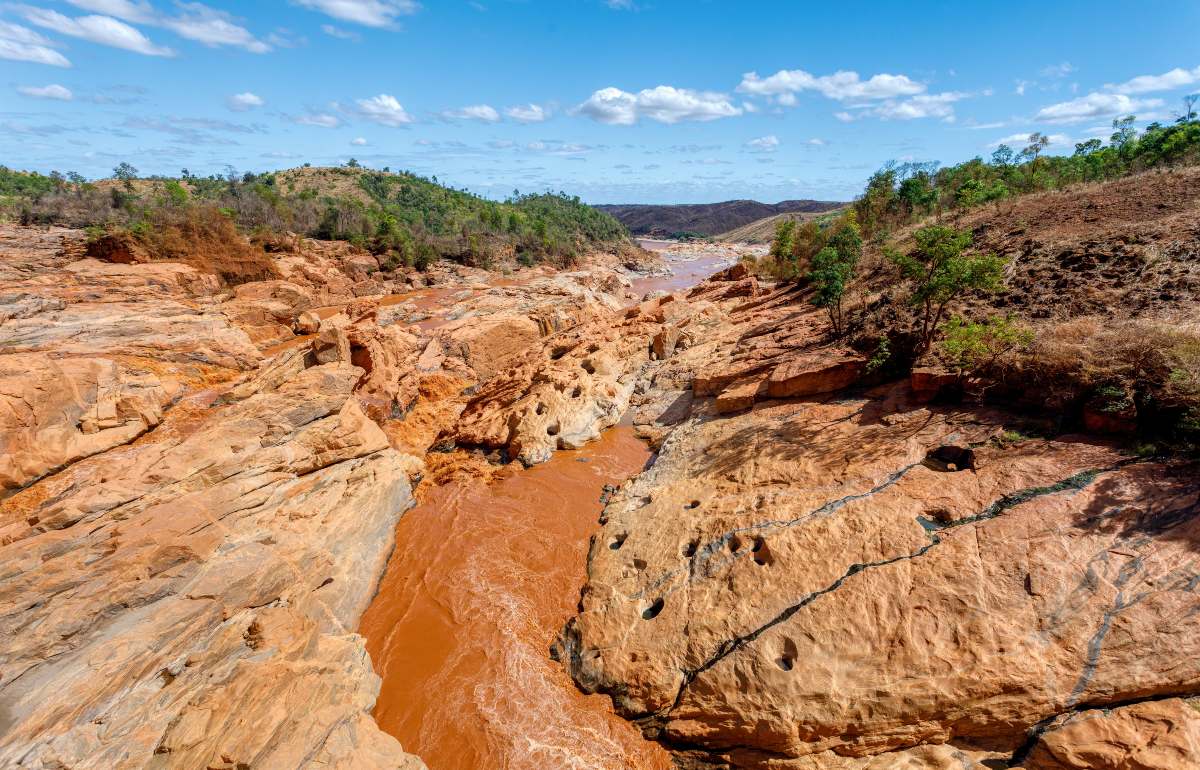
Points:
(407, 218)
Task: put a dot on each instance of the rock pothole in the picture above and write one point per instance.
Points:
(950, 458)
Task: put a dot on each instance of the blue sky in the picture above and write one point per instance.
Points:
(614, 100)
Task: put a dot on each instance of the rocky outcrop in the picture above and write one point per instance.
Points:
(815, 577)
(193, 596)
(198, 502)
(190, 529)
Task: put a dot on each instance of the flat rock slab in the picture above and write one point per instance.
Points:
(814, 374)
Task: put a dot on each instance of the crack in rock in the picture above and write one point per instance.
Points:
(1075, 482)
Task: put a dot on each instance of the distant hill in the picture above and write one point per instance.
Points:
(763, 230)
(705, 219)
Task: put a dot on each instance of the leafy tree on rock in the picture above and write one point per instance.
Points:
(941, 272)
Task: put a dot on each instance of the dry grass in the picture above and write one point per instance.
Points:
(1156, 361)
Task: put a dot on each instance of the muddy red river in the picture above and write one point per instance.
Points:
(482, 579)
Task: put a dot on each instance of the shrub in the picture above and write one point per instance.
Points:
(972, 346)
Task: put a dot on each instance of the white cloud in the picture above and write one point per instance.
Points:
(620, 5)
(212, 27)
(1176, 78)
(1019, 141)
(841, 86)
(528, 113)
(358, 142)
(919, 106)
(481, 112)
(52, 91)
(815, 142)
(665, 104)
(19, 43)
(385, 110)
(320, 119)
(195, 21)
(244, 101)
(339, 33)
(764, 144)
(130, 10)
(370, 13)
(1058, 70)
(1094, 105)
(104, 30)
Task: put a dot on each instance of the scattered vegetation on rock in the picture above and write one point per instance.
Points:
(1079, 277)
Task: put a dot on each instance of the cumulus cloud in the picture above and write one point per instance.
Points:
(481, 112)
(528, 113)
(385, 110)
(104, 30)
(840, 86)
(764, 144)
(665, 104)
(1094, 105)
(319, 119)
(369, 13)
(1022, 139)
(1176, 78)
(18, 43)
(52, 91)
(244, 101)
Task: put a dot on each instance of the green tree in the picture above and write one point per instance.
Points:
(781, 244)
(126, 173)
(833, 270)
(1123, 132)
(940, 273)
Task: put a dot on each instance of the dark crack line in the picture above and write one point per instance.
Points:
(700, 565)
(1076, 482)
(1035, 733)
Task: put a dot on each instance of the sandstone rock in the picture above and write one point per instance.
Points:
(735, 272)
(307, 322)
(929, 382)
(795, 586)
(741, 394)
(189, 603)
(664, 342)
(1154, 735)
(367, 288)
(489, 345)
(55, 412)
(809, 375)
(331, 344)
